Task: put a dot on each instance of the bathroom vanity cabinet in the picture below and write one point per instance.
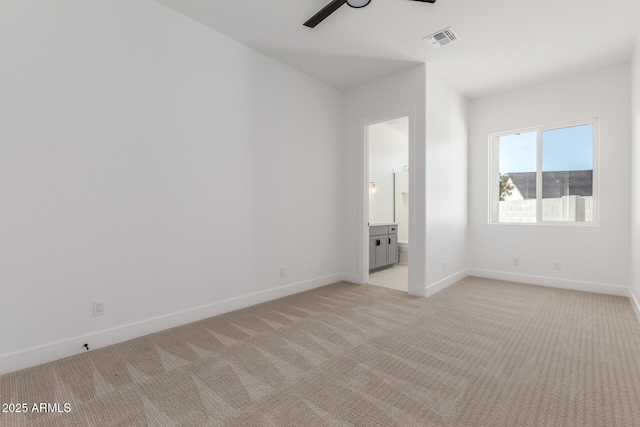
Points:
(383, 245)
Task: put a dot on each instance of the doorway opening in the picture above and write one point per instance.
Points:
(388, 202)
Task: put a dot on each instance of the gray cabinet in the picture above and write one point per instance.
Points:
(393, 248)
(383, 245)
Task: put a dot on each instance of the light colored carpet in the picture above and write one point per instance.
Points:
(479, 353)
(394, 277)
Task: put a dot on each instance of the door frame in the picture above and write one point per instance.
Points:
(363, 229)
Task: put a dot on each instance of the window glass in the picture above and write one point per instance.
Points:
(544, 175)
(516, 178)
(567, 174)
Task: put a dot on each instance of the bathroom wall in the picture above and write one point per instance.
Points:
(388, 152)
(401, 204)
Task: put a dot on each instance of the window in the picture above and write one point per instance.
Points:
(545, 174)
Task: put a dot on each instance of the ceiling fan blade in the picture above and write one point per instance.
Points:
(324, 13)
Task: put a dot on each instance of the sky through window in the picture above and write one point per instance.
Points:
(564, 149)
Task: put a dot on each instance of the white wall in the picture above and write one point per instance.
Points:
(156, 164)
(388, 152)
(390, 97)
(446, 189)
(437, 179)
(635, 183)
(593, 258)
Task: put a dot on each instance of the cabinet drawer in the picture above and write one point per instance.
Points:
(378, 230)
(393, 229)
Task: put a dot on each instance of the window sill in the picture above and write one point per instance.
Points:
(548, 223)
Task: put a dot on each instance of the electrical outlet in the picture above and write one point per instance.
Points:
(516, 261)
(98, 308)
(557, 266)
(282, 272)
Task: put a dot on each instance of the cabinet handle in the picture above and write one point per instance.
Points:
(389, 240)
(378, 242)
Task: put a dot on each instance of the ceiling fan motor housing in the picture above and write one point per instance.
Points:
(358, 3)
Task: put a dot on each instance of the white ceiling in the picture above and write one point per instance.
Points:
(503, 43)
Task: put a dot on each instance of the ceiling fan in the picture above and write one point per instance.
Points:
(335, 4)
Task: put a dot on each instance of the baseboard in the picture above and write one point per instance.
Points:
(553, 282)
(434, 288)
(444, 283)
(350, 277)
(635, 304)
(72, 346)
